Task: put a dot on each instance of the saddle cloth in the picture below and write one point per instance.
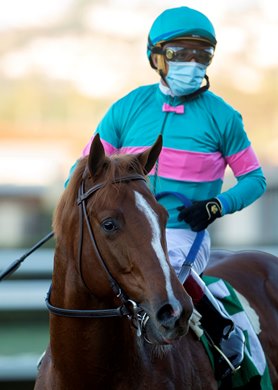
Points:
(254, 364)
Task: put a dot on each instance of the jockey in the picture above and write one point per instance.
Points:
(202, 134)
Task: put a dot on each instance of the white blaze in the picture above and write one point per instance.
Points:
(152, 218)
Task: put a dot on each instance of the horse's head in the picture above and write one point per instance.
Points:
(128, 244)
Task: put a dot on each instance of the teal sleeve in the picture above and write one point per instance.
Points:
(109, 129)
(251, 185)
(234, 138)
(249, 188)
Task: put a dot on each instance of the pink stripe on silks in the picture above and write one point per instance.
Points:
(183, 165)
(243, 162)
(191, 166)
(109, 149)
(133, 149)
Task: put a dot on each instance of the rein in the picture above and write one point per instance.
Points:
(128, 308)
(191, 256)
(17, 263)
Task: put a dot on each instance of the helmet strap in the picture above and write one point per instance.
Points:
(161, 67)
(162, 75)
(194, 94)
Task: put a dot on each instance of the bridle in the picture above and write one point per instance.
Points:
(128, 308)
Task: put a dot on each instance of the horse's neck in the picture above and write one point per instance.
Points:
(95, 349)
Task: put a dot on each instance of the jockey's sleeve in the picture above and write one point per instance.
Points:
(241, 158)
(249, 187)
(107, 130)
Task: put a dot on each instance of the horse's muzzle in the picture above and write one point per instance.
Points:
(169, 324)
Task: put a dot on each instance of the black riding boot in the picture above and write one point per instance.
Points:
(224, 335)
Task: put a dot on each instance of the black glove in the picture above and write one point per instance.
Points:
(200, 214)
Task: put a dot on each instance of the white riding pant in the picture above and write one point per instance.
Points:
(179, 242)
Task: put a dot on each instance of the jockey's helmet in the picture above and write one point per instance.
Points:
(174, 24)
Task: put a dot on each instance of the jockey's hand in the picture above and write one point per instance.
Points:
(200, 214)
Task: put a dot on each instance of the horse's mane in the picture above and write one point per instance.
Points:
(115, 166)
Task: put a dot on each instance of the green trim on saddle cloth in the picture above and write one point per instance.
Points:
(248, 372)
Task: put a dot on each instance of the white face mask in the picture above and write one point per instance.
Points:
(184, 78)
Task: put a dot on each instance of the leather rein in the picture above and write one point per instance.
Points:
(128, 308)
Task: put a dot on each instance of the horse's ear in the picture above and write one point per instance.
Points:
(148, 158)
(97, 156)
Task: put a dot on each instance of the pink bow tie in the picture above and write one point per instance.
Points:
(177, 109)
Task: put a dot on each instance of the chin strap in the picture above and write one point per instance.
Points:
(204, 88)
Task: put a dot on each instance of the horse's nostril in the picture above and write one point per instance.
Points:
(167, 316)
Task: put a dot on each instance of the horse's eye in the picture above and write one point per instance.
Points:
(109, 225)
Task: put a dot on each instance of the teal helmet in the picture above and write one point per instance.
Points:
(181, 22)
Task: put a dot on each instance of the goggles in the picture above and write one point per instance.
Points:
(185, 54)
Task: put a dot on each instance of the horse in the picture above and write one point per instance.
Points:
(119, 316)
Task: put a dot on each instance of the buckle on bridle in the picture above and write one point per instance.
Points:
(138, 317)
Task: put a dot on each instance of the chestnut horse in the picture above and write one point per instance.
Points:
(111, 261)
